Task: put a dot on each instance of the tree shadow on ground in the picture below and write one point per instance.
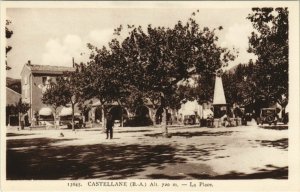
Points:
(201, 154)
(133, 131)
(45, 161)
(18, 134)
(204, 172)
(193, 134)
(164, 176)
(274, 173)
(280, 144)
(275, 127)
(41, 143)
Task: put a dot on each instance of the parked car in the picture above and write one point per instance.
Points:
(268, 115)
(67, 120)
(285, 118)
(189, 119)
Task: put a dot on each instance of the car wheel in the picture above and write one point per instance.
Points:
(270, 119)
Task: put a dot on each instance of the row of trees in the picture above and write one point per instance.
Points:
(264, 82)
(155, 65)
(146, 65)
(20, 108)
(8, 34)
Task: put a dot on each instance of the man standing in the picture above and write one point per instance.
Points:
(109, 126)
(22, 121)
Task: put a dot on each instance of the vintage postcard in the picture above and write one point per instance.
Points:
(150, 96)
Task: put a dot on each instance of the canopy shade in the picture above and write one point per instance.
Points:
(189, 108)
(99, 104)
(45, 111)
(66, 111)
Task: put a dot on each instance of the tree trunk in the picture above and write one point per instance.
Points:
(20, 121)
(121, 120)
(73, 127)
(54, 116)
(164, 123)
(154, 110)
(103, 118)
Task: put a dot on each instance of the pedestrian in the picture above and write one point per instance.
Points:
(83, 120)
(109, 126)
(33, 121)
(22, 121)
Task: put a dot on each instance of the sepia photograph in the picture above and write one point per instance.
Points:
(134, 94)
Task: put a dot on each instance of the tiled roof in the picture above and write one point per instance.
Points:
(49, 68)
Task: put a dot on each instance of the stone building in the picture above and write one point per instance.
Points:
(36, 78)
(34, 82)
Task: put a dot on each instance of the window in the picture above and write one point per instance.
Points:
(44, 79)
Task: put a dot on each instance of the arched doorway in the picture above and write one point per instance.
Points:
(98, 114)
(142, 116)
(159, 116)
(142, 111)
(118, 113)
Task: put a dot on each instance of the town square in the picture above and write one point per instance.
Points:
(149, 92)
(191, 152)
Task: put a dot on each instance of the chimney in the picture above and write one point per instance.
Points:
(29, 62)
(73, 62)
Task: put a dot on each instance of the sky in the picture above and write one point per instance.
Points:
(53, 36)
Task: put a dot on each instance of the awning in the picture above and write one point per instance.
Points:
(65, 111)
(99, 104)
(189, 108)
(96, 104)
(45, 111)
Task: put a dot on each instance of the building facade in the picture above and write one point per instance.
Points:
(34, 81)
(36, 78)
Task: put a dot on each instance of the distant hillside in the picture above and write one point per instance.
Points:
(14, 84)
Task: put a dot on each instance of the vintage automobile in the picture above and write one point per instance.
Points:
(285, 118)
(67, 121)
(268, 115)
(189, 120)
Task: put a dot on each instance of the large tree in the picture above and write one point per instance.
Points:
(20, 108)
(239, 85)
(103, 77)
(160, 58)
(53, 97)
(67, 90)
(8, 34)
(269, 41)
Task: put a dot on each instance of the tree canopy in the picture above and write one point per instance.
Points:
(151, 64)
(66, 90)
(8, 34)
(155, 64)
(269, 41)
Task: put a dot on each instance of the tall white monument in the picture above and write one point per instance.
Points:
(219, 101)
(219, 95)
